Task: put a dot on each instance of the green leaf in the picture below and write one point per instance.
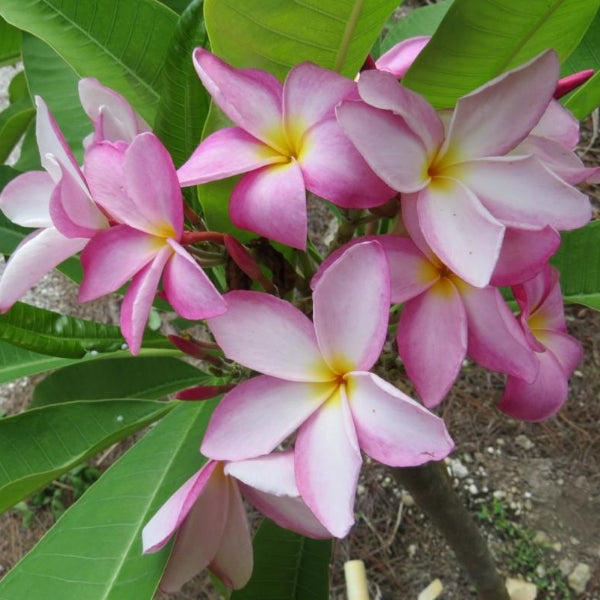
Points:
(177, 6)
(120, 42)
(149, 377)
(422, 21)
(184, 103)
(587, 54)
(287, 566)
(39, 445)
(275, 35)
(586, 98)
(578, 261)
(17, 89)
(94, 551)
(10, 43)
(29, 160)
(477, 41)
(14, 121)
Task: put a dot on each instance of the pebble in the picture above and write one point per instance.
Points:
(541, 537)
(412, 550)
(518, 589)
(565, 566)
(524, 442)
(458, 468)
(579, 578)
(499, 494)
(407, 499)
(473, 490)
(432, 591)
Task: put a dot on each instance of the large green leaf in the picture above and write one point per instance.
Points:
(275, 35)
(39, 445)
(120, 42)
(94, 551)
(586, 98)
(578, 261)
(149, 377)
(10, 43)
(287, 566)
(14, 121)
(477, 41)
(184, 103)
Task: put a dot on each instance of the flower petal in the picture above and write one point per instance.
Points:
(460, 230)
(328, 462)
(432, 340)
(351, 308)
(271, 201)
(398, 59)
(258, 414)
(271, 336)
(566, 349)
(391, 427)
(25, 200)
(559, 125)
(188, 289)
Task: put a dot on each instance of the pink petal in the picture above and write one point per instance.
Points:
(460, 230)
(271, 201)
(388, 145)
(541, 296)
(234, 559)
(494, 118)
(252, 99)
(558, 125)
(432, 340)
(391, 427)
(271, 336)
(410, 220)
(257, 415)
(333, 169)
(35, 256)
(138, 299)
(520, 191)
(351, 308)
(113, 257)
(25, 200)
(398, 59)
(188, 288)
(328, 463)
(226, 152)
(566, 349)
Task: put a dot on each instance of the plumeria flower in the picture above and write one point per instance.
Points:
(288, 141)
(57, 201)
(400, 57)
(208, 514)
(317, 380)
(461, 186)
(543, 322)
(138, 187)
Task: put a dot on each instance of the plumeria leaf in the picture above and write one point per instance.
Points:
(17, 89)
(453, 63)
(274, 35)
(287, 566)
(586, 98)
(37, 446)
(14, 121)
(123, 44)
(578, 261)
(10, 43)
(65, 564)
(147, 377)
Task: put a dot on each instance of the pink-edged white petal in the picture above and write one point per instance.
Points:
(113, 257)
(271, 336)
(188, 289)
(524, 253)
(388, 145)
(391, 427)
(495, 339)
(258, 414)
(410, 220)
(35, 256)
(25, 200)
(398, 59)
(460, 230)
(432, 340)
(522, 192)
(138, 299)
(497, 116)
(271, 201)
(559, 125)
(566, 349)
(328, 461)
(351, 308)
(234, 559)
(200, 535)
(225, 153)
(252, 99)
(333, 169)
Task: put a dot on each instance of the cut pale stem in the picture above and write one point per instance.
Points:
(356, 580)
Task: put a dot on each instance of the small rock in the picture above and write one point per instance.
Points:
(473, 490)
(521, 590)
(565, 566)
(541, 537)
(499, 494)
(557, 547)
(579, 577)
(490, 450)
(412, 550)
(360, 490)
(574, 541)
(407, 499)
(540, 571)
(458, 469)
(524, 442)
(432, 591)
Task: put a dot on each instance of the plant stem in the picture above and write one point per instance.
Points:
(430, 487)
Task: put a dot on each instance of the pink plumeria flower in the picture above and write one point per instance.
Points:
(138, 187)
(57, 201)
(543, 322)
(461, 186)
(400, 57)
(288, 141)
(210, 519)
(317, 380)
